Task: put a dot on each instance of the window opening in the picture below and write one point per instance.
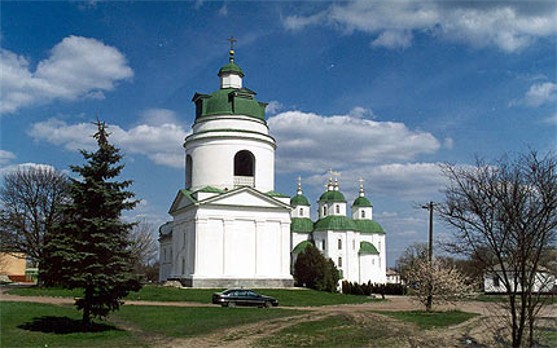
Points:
(244, 164)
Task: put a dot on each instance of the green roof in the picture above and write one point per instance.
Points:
(367, 248)
(276, 194)
(301, 247)
(335, 223)
(368, 226)
(299, 200)
(362, 202)
(209, 189)
(229, 101)
(301, 225)
(332, 196)
(231, 67)
(188, 195)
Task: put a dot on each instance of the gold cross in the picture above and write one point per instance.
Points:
(232, 41)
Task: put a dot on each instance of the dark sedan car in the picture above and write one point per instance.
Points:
(243, 297)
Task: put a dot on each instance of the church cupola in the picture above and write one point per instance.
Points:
(230, 145)
(332, 201)
(231, 74)
(300, 203)
(362, 209)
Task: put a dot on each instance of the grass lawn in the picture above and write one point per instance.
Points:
(41, 325)
(334, 331)
(430, 320)
(287, 298)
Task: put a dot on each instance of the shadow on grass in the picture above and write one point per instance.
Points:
(63, 325)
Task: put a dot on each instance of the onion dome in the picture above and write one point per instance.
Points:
(362, 201)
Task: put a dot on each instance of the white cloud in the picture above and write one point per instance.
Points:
(508, 25)
(155, 117)
(273, 107)
(20, 166)
(312, 143)
(77, 67)
(6, 156)
(161, 144)
(541, 93)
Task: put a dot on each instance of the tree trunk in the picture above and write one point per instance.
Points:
(86, 321)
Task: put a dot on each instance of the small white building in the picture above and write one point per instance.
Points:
(544, 281)
(356, 244)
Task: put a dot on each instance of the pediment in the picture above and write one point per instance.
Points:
(182, 200)
(245, 197)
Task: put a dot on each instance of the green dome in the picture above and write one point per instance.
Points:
(368, 248)
(332, 197)
(231, 68)
(335, 223)
(229, 101)
(301, 225)
(362, 202)
(369, 226)
(299, 200)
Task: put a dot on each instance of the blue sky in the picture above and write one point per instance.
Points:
(380, 90)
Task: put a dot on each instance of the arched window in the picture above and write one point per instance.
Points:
(363, 213)
(340, 262)
(189, 170)
(301, 211)
(324, 210)
(244, 164)
(339, 244)
(337, 209)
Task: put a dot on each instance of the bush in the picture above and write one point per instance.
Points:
(314, 271)
(366, 289)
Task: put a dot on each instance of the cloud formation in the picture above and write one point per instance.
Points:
(540, 94)
(313, 143)
(508, 25)
(77, 67)
(162, 143)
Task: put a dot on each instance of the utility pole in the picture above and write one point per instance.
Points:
(430, 206)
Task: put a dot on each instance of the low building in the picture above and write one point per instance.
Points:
(494, 283)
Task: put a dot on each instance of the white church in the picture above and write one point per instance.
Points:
(230, 228)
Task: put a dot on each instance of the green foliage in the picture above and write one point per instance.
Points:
(314, 271)
(429, 320)
(41, 325)
(90, 248)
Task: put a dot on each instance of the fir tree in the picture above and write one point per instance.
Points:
(90, 249)
(315, 271)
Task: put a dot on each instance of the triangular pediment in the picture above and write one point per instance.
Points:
(245, 197)
(182, 200)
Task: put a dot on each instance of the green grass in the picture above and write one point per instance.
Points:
(190, 321)
(430, 320)
(286, 298)
(41, 325)
(334, 331)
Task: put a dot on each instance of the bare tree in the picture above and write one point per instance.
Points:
(437, 282)
(509, 212)
(412, 254)
(30, 199)
(144, 247)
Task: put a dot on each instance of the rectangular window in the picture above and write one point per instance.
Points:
(363, 213)
(339, 244)
(337, 209)
(496, 281)
(323, 244)
(353, 244)
(340, 262)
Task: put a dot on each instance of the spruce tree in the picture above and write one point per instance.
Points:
(90, 249)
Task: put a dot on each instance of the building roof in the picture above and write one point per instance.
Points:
(362, 202)
(231, 68)
(332, 196)
(369, 226)
(299, 200)
(301, 225)
(229, 101)
(367, 248)
(335, 223)
(276, 194)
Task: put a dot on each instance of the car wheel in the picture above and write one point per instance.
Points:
(268, 304)
(231, 304)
